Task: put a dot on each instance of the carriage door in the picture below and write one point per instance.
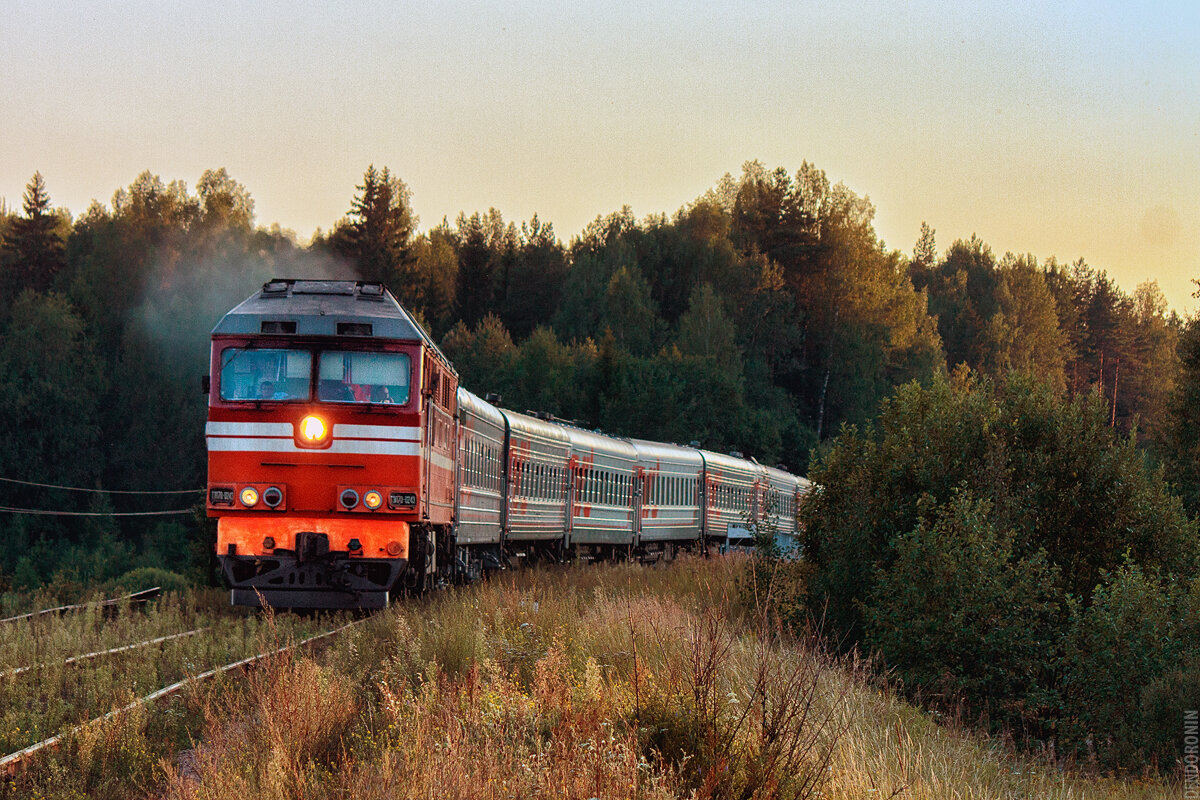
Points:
(638, 478)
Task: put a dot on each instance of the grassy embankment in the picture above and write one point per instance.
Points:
(613, 682)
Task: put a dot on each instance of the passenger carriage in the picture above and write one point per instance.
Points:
(602, 501)
(535, 509)
(479, 511)
(671, 485)
(730, 498)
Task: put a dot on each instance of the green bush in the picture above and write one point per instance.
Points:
(1131, 668)
(964, 534)
(147, 577)
(961, 616)
(1054, 473)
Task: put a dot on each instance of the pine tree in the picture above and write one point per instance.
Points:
(33, 251)
(377, 234)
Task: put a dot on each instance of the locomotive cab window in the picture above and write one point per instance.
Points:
(265, 374)
(358, 377)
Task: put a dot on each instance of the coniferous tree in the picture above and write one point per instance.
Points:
(376, 236)
(485, 252)
(33, 252)
(706, 332)
(534, 284)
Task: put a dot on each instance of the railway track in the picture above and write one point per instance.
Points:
(15, 762)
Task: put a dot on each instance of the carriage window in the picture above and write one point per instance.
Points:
(257, 374)
(354, 377)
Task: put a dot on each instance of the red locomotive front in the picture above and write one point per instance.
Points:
(330, 446)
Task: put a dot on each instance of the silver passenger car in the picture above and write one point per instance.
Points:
(536, 502)
(479, 504)
(731, 496)
(671, 480)
(603, 472)
(778, 501)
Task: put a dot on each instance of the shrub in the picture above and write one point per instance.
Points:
(147, 577)
(949, 533)
(1053, 472)
(960, 615)
(1131, 668)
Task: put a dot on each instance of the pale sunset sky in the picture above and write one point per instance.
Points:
(1051, 128)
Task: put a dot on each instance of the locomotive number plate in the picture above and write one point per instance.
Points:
(400, 499)
(220, 497)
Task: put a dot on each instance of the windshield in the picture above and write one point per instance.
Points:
(356, 377)
(249, 373)
(258, 374)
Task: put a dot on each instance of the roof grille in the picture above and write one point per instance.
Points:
(354, 329)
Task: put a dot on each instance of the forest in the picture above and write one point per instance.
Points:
(763, 317)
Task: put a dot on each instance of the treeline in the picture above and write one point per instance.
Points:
(761, 317)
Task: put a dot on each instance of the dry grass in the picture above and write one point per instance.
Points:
(617, 682)
(613, 682)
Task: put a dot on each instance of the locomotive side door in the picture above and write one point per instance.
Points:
(429, 376)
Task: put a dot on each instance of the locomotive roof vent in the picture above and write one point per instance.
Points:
(278, 326)
(354, 329)
(322, 287)
(736, 453)
(276, 288)
(370, 289)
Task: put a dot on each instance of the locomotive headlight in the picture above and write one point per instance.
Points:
(249, 497)
(313, 429)
(372, 499)
(349, 498)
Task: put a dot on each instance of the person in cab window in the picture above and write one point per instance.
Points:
(381, 395)
(267, 391)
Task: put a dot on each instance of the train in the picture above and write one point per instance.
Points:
(348, 467)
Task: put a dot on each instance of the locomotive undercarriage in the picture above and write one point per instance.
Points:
(312, 576)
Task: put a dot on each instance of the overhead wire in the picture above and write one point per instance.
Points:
(98, 491)
(41, 512)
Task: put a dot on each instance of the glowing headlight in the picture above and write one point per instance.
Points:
(249, 497)
(312, 428)
(372, 499)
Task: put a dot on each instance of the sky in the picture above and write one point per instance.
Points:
(1066, 129)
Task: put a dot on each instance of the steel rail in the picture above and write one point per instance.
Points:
(143, 596)
(87, 656)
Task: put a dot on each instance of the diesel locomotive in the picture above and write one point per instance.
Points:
(346, 465)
